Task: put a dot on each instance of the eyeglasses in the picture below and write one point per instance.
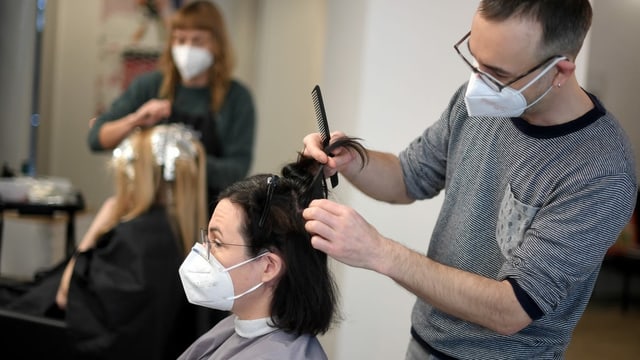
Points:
(491, 81)
(213, 244)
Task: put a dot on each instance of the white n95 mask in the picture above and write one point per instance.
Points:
(482, 100)
(191, 60)
(207, 282)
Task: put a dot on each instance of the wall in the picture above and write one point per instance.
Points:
(74, 69)
(614, 55)
(387, 78)
(288, 63)
(17, 46)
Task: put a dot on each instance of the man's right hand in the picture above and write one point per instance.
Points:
(340, 159)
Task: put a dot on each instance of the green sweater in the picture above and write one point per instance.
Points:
(229, 152)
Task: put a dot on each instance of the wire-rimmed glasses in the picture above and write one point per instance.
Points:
(492, 82)
(213, 244)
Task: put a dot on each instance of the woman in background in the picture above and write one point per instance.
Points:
(255, 259)
(194, 86)
(120, 294)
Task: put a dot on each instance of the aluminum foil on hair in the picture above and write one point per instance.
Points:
(124, 154)
(168, 143)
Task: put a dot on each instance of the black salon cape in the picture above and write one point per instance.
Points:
(125, 298)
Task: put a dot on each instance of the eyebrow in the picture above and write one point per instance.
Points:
(215, 229)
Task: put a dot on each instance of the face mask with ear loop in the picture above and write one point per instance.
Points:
(191, 60)
(207, 282)
(481, 100)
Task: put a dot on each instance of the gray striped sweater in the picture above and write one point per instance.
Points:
(538, 206)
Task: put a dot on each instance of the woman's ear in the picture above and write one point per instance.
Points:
(273, 268)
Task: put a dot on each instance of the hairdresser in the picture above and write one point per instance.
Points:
(192, 85)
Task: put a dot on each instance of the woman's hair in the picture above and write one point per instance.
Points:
(200, 15)
(564, 23)
(305, 299)
(162, 165)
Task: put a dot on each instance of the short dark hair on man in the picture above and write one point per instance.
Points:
(564, 23)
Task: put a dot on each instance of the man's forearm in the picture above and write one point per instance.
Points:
(381, 178)
(471, 297)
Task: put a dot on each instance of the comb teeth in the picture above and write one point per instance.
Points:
(321, 115)
(323, 125)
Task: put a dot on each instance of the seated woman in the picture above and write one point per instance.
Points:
(121, 292)
(256, 260)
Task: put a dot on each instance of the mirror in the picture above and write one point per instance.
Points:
(279, 65)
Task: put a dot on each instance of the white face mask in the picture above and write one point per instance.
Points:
(207, 282)
(481, 100)
(191, 60)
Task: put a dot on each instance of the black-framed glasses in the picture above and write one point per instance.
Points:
(213, 244)
(491, 81)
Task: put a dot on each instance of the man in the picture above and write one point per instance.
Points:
(539, 182)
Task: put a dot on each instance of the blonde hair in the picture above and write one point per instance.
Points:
(139, 184)
(200, 15)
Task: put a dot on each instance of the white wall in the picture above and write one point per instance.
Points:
(74, 70)
(389, 72)
(614, 55)
(288, 63)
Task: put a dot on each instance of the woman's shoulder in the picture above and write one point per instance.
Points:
(283, 345)
(151, 223)
(155, 215)
(238, 90)
(149, 230)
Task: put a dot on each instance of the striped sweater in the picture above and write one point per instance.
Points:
(538, 206)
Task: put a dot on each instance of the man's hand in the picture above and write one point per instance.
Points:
(340, 159)
(342, 233)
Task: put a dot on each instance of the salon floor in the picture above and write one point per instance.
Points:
(605, 330)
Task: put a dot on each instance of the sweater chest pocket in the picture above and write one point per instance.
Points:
(514, 218)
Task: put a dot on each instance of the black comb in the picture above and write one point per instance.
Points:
(323, 126)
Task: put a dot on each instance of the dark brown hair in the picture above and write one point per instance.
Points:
(305, 299)
(564, 23)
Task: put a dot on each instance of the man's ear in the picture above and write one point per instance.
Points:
(566, 69)
(274, 266)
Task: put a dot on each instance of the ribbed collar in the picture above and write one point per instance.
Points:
(553, 131)
(253, 328)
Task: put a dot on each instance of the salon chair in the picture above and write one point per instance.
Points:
(32, 337)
